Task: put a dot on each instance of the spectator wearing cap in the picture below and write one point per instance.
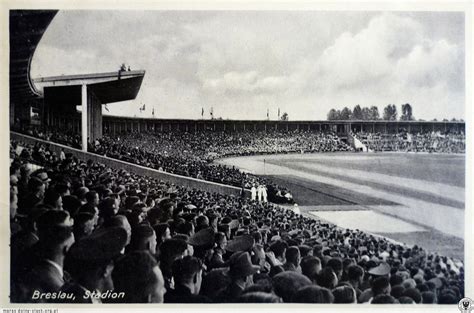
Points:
(55, 239)
(203, 243)
(138, 276)
(376, 271)
(311, 267)
(241, 271)
(90, 262)
(293, 258)
(187, 274)
(43, 176)
(26, 238)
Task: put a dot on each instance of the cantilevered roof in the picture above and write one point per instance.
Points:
(26, 29)
(108, 87)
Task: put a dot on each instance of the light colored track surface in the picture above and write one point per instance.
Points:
(367, 220)
(444, 218)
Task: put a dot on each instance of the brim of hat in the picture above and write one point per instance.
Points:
(239, 245)
(378, 272)
(248, 271)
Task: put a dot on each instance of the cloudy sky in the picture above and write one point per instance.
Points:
(242, 62)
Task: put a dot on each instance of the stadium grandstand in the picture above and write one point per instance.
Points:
(108, 209)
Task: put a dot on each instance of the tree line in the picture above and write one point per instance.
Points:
(372, 113)
(390, 113)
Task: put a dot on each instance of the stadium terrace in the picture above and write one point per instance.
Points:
(107, 209)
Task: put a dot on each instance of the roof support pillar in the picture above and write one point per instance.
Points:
(84, 130)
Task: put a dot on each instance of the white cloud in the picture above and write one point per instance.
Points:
(242, 63)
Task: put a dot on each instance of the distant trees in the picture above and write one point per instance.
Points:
(390, 113)
(346, 114)
(358, 113)
(285, 117)
(334, 115)
(407, 114)
(374, 113)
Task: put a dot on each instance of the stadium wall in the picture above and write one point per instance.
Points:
(188, 182)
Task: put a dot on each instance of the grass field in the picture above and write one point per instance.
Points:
(423, 193)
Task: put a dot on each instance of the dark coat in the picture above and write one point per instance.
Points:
(47, 277)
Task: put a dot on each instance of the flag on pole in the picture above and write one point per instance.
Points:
(202, 112)
(153, 112)
(267, 114)
(106, 108)
(278, 113)
(142, 108)
(211, 112)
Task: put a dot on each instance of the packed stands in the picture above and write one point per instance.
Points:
(420, 142)
(85, 233)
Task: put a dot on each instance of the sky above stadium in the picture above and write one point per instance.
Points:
(241, 63)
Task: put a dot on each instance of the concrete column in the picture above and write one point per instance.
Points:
(84, 130)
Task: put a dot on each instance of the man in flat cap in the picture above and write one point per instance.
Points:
(47, 256)
(90, 262)
(187, 274)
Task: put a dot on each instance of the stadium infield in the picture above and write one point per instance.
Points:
(421, 196)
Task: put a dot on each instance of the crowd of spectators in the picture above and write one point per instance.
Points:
(83, 232)
(64, 137)
(192, 154)
(419, 142)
